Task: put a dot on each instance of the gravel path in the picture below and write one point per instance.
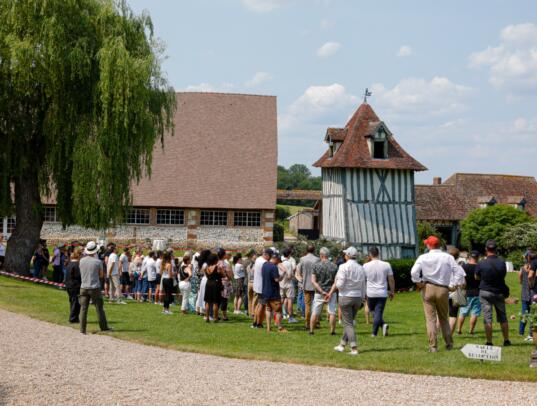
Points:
(42, 363)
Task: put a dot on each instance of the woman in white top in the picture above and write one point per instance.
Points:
(168, 276)
(185, 274)
(202, 266)
(239, 275)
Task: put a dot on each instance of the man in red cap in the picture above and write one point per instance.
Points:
(433, 273)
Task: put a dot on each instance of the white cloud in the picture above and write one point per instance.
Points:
(512, 64)
(258, 79)
(208, 87)
(405, 50)
(412, 98)
(264, 6)
(328, 49)
(326, 24)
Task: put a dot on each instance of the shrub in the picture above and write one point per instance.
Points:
(425, 230)
(401, 272)
(277, 232)
(519, 237)
(282, 213)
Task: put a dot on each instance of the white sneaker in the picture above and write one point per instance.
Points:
(385, 328)
(292, 320)
(165, 312)
(339, 348)
(528, 338)
(121, 302)
(353, 352)
(169, 312)
(130, 297)
(211, 319)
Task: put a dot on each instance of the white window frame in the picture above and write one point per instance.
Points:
(137, 218)
(249, 218)
(212, 220)
(164, 217)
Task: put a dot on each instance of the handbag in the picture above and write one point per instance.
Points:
(458, 297)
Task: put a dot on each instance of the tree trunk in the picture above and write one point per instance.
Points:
(25, 237)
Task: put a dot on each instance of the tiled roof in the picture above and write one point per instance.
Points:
(354, 152)
(223, 155)
(464, 192)
(336, 134)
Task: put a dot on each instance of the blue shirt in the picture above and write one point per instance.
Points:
(271, 288)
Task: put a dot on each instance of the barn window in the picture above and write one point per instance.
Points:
(49, 214)
(213, 218)
(247, 219)
(138, 216)
(11, 224)
(379, 149)
(168, 216)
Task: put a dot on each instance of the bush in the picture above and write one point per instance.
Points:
(519, 237)
(425, 230)
(277, 232)
(299, 248)
(282, 213)
(516, 257)
(401, 272)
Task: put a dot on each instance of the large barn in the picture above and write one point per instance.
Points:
(213, 183)
(368, 194)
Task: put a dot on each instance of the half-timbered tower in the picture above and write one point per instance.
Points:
(368, 187)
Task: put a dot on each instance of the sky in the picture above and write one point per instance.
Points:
(455, 81)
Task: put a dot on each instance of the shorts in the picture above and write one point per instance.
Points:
(272, 304)
(287, 293)
(318, 304)
(157, 281)
(488, 301)
(125, 278)
(239, 289)
(453, 310)
(472, 308)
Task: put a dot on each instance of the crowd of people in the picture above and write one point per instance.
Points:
(266, 286)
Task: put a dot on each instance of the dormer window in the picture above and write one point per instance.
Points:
(331, 150)
(379, 145)
(378, 150)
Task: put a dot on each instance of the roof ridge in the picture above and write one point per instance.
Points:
(491, 174)
(225, 93)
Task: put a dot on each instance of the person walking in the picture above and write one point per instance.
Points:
(168, 278)
(380, 286)
(493, 291)
(473, 305)
(433, 273)
(458, 281)
(304, 272)
(350, 283)
(185, 276)
(322, 278)
(91, 268)
(72, 286)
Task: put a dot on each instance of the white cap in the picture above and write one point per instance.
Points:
(351, 252)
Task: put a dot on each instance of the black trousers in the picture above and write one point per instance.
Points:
(57, 274)
(74, 305)
(167, 285)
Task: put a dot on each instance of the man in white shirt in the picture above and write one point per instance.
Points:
(287, 289)
(124, 260)
(351, 285)
(433, 273)
(151, 270)
(258, 287)
(112, 267)
(379, 276)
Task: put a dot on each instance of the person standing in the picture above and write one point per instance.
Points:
(249, 267)
(91, 268)
(112, 268)
(526, 278)
(493, 291)
(380, 286)
(168, 278)
(287, 288)
(185, 276)
(432, 273)
(322, 278)
(473, 305)
(304, 272)
(213, 288)
(238, 274)
(72, 286)
(350, 283)
(270, 301)
(259, 314)
(2, 251)
(39, 261)
(201, 268)
(124, 260)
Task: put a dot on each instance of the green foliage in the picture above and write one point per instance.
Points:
(425, 230)
(490, 223)
(298, 176)
(82, 101)
(401, 271)
(278, 232)
(530, 317)
(516, 257)
(520, 236)
(299, 247)
(282, 213)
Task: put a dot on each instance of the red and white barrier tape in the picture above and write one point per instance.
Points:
(32, 279)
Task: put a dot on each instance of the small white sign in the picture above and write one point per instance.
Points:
(482, 352)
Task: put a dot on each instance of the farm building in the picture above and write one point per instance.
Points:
(368, 187)
(445, 204)
(213, 183)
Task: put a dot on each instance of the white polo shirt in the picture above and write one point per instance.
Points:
(258, 276)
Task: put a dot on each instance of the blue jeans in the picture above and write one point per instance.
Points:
(300, 302)
(376, 306)
(522, 325)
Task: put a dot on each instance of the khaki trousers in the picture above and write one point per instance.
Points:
(97, 299)
(308, 301)
(251, 304)
(435, 304)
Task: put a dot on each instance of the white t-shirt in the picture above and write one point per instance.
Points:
(151, 266)
(377, 273)
(238, 271)
(124, 262)
(158, 264)
(112, 265)
(258, 276)
(287, 275)
(2, 250)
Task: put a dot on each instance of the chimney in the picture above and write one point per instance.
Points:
(437, 180)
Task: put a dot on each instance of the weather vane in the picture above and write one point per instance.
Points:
(367, 94)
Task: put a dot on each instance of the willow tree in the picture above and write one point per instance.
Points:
(82, 104)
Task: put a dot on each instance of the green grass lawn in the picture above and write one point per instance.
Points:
(405, 350)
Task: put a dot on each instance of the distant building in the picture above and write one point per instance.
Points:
(368, 187)
(446, 204)
(305, 222)
(213, 184)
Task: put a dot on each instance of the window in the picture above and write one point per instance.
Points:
(138, 216)
(11, 223)
(213, 218)
(379, 150)
(247, 219)
(166, 216)
(49, 214)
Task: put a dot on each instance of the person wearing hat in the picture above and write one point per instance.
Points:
(493, 291)
(351, 286)
(91, 269)
(473, 305)
(434, 273)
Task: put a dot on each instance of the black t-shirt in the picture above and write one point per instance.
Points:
(472, 285)
(73, 278)
(492, 272)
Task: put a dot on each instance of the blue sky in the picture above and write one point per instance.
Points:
(455, 81)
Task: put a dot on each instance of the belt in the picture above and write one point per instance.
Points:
(436, 284)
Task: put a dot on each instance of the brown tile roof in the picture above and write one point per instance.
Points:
(223, 155)
(354, 152)
(464, 192)
(335, 134)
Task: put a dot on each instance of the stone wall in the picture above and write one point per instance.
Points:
(229, 237)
